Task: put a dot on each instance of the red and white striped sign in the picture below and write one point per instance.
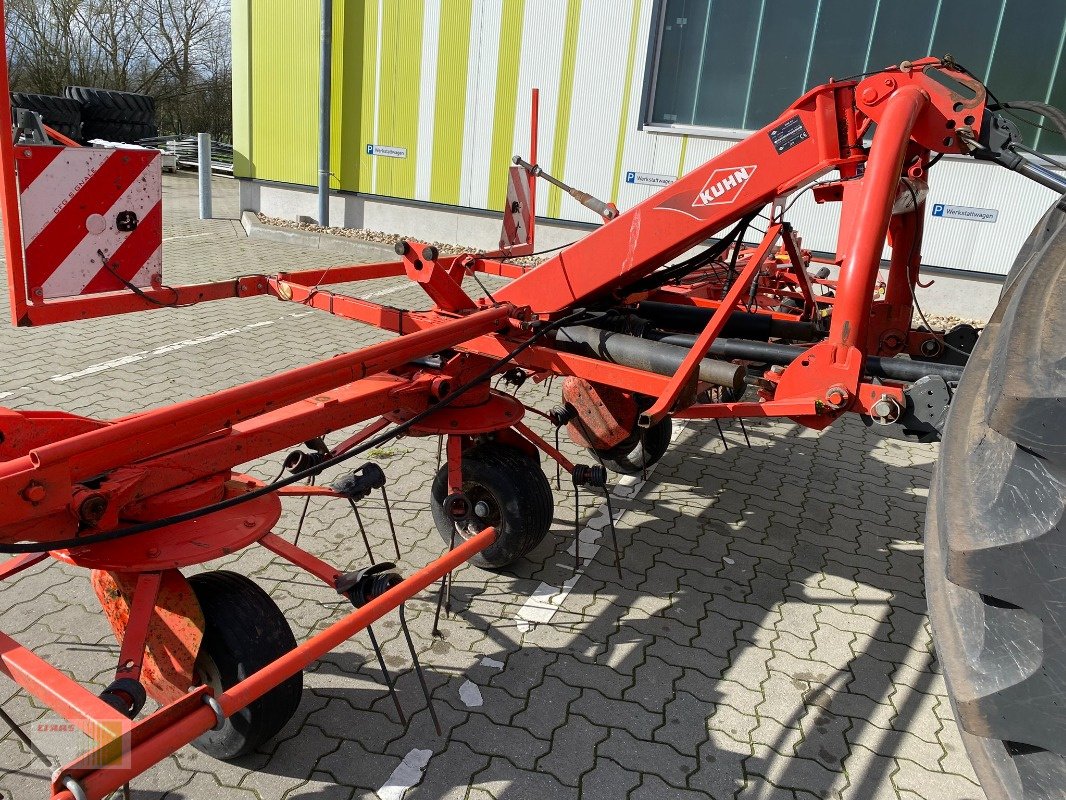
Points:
(92, 219)
(517, 213)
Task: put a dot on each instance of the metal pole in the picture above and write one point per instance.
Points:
(203, 149)
(324, 93)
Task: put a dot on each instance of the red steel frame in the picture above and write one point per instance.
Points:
(167, 461)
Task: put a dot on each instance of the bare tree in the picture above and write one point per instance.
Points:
(177, 51)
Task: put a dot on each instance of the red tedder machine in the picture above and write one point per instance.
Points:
(663, 312)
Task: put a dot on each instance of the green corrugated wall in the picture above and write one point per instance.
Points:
(447, 81)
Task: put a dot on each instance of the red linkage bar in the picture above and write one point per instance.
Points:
(146, 434)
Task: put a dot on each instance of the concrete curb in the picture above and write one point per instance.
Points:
(362, 251)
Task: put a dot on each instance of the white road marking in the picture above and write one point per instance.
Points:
(188, 236)
(383, 292)
(470, 694)
(546, 599)
(115, 363)
(407, 774)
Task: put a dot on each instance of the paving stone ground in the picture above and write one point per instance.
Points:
(768, 639)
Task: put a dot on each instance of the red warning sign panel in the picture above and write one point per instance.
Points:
(92, 219)
(517, 213)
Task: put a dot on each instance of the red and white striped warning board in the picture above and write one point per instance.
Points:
(517, 213)
(92, 219)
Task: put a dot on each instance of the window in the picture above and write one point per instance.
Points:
(739, 63)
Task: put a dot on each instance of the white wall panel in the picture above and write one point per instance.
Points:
(427, 94)
(539, 66)
(480, 101)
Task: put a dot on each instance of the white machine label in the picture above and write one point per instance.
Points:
(385, 150)
(965, 213)
(649, 179)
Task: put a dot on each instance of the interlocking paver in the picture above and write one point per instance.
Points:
(768, 639)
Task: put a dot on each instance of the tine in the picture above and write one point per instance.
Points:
(577, 528)
(448, 592)
(643, 456)
(385, 672)
(614, 532)
(440, 448)
(418, 670)
(303, 514)
(392, 525)
(744, 430)
(362, 530)
(25, 739)
(558, 468)
(721, 433)
(445, 581)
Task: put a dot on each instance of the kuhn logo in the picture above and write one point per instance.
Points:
(724, 186)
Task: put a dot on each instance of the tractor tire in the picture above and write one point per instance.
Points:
(106, 105)
(59, 113)
(995, 538)
(507, 490)
(637, 453)
(119, 131)
(244, 631)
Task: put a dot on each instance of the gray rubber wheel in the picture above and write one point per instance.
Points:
(637, 453)
(508, 490)
(244, 631)
(996, 539)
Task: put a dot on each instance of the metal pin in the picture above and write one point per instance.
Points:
(362, 530)
(721, 433)
(21, 734)
(392, 525)
(385, 672)
(418, 669)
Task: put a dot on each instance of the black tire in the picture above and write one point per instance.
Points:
(1045, 229)
(107, 105)
(244, 631)
(518, 496)
(59, 113)
(996, 535)
(119, 131)
(637, 453)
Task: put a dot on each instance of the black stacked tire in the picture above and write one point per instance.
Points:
(60, 113)
(996, 534)
(114, 116)
(508, 490)
(244, 631)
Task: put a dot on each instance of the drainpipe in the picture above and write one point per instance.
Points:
(324, 94)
